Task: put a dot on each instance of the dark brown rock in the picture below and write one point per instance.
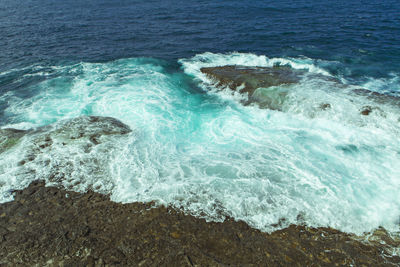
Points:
(248, 79)
(325, 106)
(267, 86)
(253, 77)
(50, 226)
(366, 110)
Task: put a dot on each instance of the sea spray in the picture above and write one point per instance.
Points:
(201, 150)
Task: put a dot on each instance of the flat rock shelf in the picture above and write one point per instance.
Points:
(48, 226)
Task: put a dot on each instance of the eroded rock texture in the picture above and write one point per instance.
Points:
(53, 227)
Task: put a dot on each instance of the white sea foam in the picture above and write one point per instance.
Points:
(389, 85)
(192, 65)
(210, 155)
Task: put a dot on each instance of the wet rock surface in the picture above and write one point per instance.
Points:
(248, 79)
(46, 226)
(378, 98)
(90, 127)
(252, 78)
(85, 127)
(9, 138)
(74, 153)
(269, 86)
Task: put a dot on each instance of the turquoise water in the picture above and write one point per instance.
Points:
(198, 148)
(193, 145)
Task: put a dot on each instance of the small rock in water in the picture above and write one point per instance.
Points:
(325, 106)
(366, 110)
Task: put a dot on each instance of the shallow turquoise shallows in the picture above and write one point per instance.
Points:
(197, 147)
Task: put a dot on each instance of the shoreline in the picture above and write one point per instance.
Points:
(47, 226)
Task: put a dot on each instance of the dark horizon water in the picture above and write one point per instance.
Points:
(363, 36)
(194, 146)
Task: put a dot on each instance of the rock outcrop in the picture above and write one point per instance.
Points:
(252, 78)
(247, 80)
(269, 86)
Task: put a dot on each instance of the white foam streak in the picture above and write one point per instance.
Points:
(193, 65)
(214, 157)
(389, 85)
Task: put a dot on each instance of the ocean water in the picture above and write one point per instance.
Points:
(195, 146)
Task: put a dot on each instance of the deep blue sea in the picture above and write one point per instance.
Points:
(193, 145)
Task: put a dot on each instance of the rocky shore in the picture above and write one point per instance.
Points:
(48, 226)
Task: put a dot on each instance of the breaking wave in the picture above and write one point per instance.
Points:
(196, 147)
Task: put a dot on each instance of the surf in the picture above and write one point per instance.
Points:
(197, 147)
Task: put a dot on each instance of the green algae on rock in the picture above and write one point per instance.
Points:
(9, 138)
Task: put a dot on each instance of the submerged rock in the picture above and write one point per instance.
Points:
(85, 127)
(9, 138)
(50, 226)
(378, 98)
(74, 153)
(90, 127)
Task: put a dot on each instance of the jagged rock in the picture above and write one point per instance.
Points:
(50, 226)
